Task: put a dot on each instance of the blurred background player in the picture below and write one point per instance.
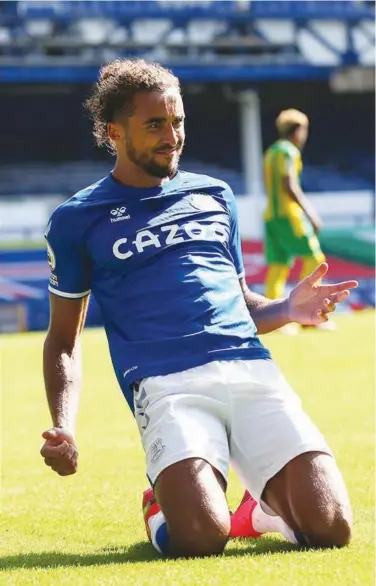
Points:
(291, 222)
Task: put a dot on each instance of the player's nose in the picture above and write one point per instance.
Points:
(171, 136)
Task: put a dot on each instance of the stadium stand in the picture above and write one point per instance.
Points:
(238, 31)
(224, 42)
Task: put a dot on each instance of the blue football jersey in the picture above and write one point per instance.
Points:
(163, 264)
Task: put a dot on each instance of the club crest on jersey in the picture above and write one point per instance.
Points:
(192, 202)
(204, 202)
(119, 214)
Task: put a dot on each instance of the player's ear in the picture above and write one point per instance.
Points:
(115, 132)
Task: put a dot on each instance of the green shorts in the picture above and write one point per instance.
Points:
(286, 240)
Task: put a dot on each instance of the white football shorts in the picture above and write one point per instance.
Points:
(242, 411)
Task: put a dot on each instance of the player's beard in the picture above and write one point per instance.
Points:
(148, 164)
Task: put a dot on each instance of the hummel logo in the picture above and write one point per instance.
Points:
(118, 214)
(118, 211)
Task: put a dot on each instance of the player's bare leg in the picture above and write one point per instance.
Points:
(307, 504)
(194, 510)
(310, 495)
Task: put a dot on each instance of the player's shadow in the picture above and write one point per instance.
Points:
(266, 545)
(139, 552)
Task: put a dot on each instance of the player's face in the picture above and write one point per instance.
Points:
(154, 134)
(301, 136)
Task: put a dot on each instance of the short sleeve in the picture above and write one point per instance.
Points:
(235, 244)
(288, 162)
(70, 267)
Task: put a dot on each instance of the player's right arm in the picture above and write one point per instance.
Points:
(291, 186)
(69, 296)
(62, 370)
(62, 359)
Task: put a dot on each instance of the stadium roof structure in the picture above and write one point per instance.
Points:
(201, 40)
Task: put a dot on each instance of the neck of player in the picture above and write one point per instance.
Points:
(132, 175)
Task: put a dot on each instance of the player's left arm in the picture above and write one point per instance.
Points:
(268, 315)
(309, 303)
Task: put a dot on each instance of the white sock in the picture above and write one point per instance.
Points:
(158, 529)
(264, 523)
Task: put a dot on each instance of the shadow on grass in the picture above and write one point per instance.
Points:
(139, 552)
(258, 547)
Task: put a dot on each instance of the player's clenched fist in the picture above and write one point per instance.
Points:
(60, 451)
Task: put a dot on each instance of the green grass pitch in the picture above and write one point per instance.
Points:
(87, 529)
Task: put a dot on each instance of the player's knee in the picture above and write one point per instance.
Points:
(324, 515)
(330, 529)
(202, 537)
(342, 531)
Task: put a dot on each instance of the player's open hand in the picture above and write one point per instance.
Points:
(60, 451)
(310, 302)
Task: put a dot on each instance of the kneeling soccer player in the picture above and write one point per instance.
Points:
(160, 250)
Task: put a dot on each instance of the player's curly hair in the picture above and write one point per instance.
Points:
(118, 82)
